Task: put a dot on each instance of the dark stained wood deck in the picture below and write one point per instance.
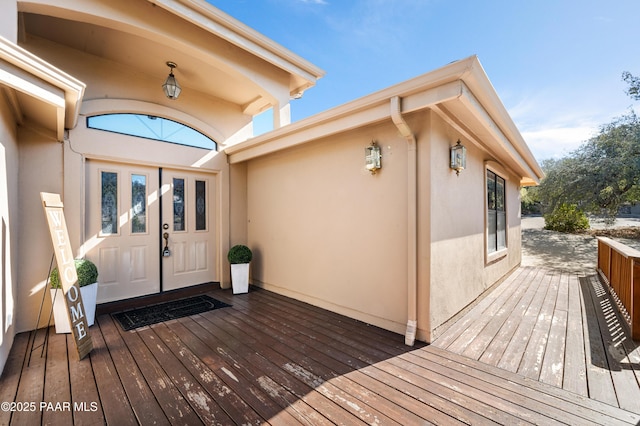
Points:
(273, 360)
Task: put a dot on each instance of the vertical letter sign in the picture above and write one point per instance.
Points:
(67, 271)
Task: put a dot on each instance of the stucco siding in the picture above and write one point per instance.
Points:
(238, 204)
(460, 269)
(8, 238)
(457, 226)
(323, 229)
(40, 171)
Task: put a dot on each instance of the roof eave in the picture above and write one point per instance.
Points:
(65, 92)
(206, 16)
(351, 114)
(463, 81)
(480, 86)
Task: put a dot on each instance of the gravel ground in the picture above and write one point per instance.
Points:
(570, 252)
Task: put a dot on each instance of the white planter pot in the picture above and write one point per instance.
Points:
(89, 296)
(240, 278)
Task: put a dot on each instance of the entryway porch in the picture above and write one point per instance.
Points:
(544, 347)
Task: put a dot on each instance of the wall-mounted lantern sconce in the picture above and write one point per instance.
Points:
(373, 158)
(458, 157)
(171, 87)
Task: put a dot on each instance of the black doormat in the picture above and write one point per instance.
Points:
(154, 314)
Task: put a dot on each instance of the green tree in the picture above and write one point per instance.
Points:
(634, 85)
(601, 175)
(530, 200)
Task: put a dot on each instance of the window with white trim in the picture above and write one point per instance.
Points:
(496, 213)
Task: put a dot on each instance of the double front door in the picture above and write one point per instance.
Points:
(149, 229)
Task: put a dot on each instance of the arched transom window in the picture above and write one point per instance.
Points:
(151, 127)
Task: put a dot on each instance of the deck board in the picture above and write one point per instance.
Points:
(575, 370)
(612, 331)
(12, 373)
(496, 349)
(83, 388)
(206, 405)
(222, 352)
(552, 370)
(226, 368)
(57, 386)
(140, 396)
(530, 391)
(455, 332)
(31, 387)
(173, 404)
(562, 330)
(273, 360)
(531, 363)
(515, 350)
(113, 399)
(489, 324)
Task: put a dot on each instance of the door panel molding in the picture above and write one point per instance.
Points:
(193, 258)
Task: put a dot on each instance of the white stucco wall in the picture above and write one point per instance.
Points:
(9, 219)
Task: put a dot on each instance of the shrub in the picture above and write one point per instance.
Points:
(86, 270)
(566, 218)
(239, 254)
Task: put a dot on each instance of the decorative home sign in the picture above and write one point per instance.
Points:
(68, 277)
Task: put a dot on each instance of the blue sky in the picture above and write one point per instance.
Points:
(556, 64)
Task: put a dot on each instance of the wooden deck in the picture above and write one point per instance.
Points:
(273, 360)
(557, 328)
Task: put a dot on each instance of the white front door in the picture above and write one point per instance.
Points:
(128, 213)
(122, 229)
(188, 228)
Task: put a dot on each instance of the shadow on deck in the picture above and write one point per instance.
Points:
(609, 332)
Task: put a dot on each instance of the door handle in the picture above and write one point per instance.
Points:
(165, 251)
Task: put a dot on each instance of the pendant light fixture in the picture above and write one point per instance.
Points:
(171, 87)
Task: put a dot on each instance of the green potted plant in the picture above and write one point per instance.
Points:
(239, 257)
(88, 282)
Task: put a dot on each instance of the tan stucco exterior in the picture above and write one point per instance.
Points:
(9, 214)
(404, 247)
(326, 231)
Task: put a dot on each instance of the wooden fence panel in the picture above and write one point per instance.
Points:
(635, 302)
(604, 259)
(619, 265)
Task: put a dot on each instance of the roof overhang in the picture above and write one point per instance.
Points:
(304, 73)
(39, 94)
(217, 55)
(460, 93)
